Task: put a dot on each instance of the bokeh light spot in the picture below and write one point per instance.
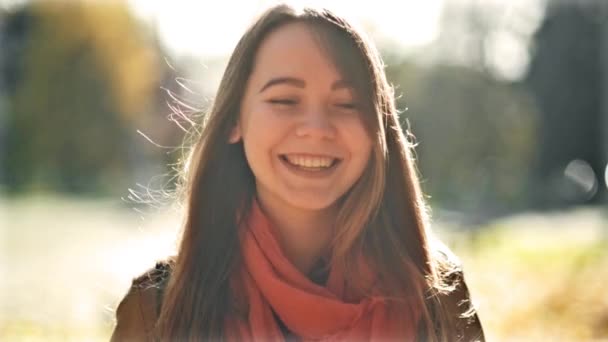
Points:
(581, 174)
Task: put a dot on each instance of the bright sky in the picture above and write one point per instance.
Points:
(212, 28)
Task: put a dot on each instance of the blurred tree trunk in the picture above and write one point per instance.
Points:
(567, 76)
(604, 123)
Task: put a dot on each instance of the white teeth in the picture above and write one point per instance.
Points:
(310, 162)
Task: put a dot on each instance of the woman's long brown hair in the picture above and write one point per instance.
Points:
(383, 216)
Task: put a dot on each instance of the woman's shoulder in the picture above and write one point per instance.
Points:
(138, 310)
(448, 265)
(155, 277)
(455, 297)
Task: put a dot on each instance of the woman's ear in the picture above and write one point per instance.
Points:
(235, 134)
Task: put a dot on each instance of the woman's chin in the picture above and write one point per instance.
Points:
(312, 202)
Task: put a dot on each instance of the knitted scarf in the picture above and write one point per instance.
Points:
(278, 295)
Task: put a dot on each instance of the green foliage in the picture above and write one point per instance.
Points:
(475, 135)
(88, 76)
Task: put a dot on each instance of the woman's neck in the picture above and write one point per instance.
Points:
(304, 235)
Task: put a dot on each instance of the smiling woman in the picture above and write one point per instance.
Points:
(304, 215)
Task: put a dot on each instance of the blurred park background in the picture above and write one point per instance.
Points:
(508, 100)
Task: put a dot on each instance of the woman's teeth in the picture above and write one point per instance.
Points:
(310, 162)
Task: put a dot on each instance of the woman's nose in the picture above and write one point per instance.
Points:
(316, 124)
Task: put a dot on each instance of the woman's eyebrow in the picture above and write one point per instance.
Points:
(299, 83)
(296, 82)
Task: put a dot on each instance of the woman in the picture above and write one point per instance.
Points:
(305, 218)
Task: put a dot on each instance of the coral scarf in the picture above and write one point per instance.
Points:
(271, 283)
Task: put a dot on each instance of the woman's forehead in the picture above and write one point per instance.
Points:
(294, 50)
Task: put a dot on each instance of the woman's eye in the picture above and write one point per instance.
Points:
(347, 105)
(284, 102)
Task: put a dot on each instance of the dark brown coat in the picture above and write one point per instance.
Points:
(137, 312)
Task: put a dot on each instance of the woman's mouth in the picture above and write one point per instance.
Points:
(310, 163)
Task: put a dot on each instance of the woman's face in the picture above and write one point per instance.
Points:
(304, 137)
